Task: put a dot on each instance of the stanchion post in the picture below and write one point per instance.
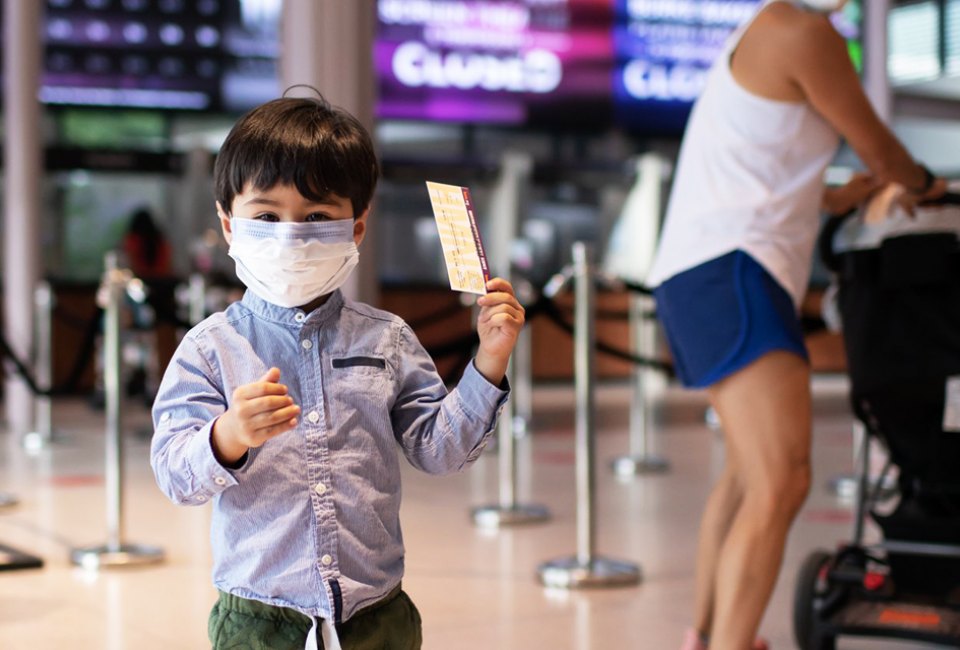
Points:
(641, 459)
(197, 298)
(508, 512)
(585, 569)
(115, 552)
(42, 434)
(848, 486)
(522, 376)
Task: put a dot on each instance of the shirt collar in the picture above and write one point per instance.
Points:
(278, 314)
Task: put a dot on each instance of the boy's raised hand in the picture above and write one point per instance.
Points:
(498, 325)
(258, 412)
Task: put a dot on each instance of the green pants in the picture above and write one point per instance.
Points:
(240, 624)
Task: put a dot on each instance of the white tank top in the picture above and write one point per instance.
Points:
(749, 177)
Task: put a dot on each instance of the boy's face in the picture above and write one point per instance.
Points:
(284, 203)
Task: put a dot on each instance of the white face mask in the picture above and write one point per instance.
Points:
(291, 264)
(824, 6)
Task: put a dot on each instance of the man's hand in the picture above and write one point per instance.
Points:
(258, 412)
(498, 326)
(840, 200)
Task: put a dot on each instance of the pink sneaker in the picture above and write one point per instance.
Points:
(760, 644)
(693, 641)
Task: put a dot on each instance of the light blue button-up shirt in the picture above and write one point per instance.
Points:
(310, 520)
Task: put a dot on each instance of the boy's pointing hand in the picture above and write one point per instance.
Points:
(498, 326)
(258, 412)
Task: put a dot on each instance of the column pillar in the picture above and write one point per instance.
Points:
(328, 44)
(22, 169)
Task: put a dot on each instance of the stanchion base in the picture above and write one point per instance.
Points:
(497, 516)
(12, 559)
(8, 500)
(520, 427)
(843, 486)
(34, 441)
(571, 573)
(712, 419)
(626, 466)
(107, 555)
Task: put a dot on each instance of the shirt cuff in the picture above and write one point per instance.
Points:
(479, 396)
(210, 477)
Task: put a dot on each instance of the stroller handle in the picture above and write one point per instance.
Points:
(825, 240)
(950, 198)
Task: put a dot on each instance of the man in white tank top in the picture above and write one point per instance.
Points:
(750, 180)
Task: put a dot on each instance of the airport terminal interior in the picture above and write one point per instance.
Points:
(564, 119)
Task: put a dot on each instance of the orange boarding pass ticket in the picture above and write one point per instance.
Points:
(460, 238)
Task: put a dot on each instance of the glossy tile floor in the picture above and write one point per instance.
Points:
(475, 589)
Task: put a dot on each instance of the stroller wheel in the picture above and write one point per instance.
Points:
(809, 588)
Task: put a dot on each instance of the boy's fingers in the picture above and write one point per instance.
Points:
(275, 418)
(258, 389)
(271, 375)
(247, 410)
(493, 307)
(498, 298)
(499, 284)
(504, 308)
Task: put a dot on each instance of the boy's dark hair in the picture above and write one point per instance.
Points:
(304, 142)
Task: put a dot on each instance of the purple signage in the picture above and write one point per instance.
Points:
(494, 61)
(582, 63)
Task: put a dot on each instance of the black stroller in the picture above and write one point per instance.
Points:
(900, 306)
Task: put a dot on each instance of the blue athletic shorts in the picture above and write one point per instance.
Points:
(724, 314)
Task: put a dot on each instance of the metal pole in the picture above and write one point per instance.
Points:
(114, 552)
(522, 377)
(111, 387)
(197, 298)
(641, 459)
(863, 480)
(508, 512)
(584, 378)
(846, 486)
(42, 434)
(585, 569)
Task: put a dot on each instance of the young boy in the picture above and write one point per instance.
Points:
(286, 410)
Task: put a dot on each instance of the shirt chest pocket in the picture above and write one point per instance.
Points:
(360, 386)
(375, 363)
(363, 374)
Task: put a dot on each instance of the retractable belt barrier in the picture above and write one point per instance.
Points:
(545, 305)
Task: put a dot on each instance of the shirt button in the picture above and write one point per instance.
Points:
(201, 498)
(307, 344)
(314, 417)
(321, 488)
(220, 480)
(300, 317)
(164, 417)
(326, 560)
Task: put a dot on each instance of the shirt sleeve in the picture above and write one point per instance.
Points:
(442, 432)
(188, 403)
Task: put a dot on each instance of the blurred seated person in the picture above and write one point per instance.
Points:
(145, 247)
(147, 252)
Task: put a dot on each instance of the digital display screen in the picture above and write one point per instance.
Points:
(637, 64)
(664, 50)
(504, 62)
(582, 64)
(198, 55)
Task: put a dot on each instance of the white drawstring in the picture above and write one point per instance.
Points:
(327, 632)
